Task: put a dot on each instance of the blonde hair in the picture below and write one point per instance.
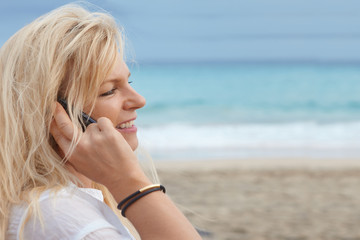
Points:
(65, 53)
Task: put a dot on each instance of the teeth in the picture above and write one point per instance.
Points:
(126, 125)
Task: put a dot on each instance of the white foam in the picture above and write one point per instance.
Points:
(300, 136)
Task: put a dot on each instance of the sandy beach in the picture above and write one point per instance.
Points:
(277, 199)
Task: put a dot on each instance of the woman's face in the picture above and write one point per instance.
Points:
(117, 100)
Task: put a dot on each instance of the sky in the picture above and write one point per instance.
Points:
(221, 30)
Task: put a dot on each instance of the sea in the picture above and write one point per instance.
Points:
(249, 110)
(236, 79)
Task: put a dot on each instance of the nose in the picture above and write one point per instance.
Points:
(134, 100)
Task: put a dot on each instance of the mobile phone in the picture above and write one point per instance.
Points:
(86, 118)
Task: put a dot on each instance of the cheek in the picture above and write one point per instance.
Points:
(105, 111)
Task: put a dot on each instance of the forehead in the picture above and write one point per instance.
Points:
(119, 71)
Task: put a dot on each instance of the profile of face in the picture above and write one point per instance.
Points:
(117, 101)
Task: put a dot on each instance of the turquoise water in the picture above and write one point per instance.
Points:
(216, 110)
(247, 93)
(223, 109)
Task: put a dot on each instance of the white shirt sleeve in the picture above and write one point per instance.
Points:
(70, 216)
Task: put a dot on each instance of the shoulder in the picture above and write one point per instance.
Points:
(71, 214)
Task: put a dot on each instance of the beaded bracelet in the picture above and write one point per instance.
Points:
(137, 195)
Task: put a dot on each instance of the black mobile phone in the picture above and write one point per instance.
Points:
(86, 118)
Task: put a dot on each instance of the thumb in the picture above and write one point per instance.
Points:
(63, 121)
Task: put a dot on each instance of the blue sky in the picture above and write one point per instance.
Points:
(221, 30)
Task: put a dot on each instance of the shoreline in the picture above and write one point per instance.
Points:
(257, 163)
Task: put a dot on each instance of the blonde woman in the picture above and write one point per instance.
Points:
(59, 178)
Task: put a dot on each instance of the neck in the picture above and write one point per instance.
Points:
(86, 182)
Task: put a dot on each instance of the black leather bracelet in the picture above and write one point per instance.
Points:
(137, 195)
(137, 198)
(119, 206)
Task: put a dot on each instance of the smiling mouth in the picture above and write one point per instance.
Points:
(124, 125)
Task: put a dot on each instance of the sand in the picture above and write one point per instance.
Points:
(293, 199)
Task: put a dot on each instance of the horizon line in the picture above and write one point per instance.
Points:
(248, 61)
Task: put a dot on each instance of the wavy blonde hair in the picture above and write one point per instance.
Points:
(65, 53)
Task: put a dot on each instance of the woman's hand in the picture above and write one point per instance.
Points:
(102, 154)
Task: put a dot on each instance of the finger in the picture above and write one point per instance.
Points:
(63, 121)
(92, 128)
(105, 124)
(60, 139)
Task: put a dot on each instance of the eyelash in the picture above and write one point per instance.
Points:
(108, 93)
(112, 91)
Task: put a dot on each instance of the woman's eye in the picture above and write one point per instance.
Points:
(130, 82)
(108, 93)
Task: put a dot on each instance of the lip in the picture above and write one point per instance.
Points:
(132, 129)
(132, 119)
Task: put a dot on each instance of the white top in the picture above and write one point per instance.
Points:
(71, 214)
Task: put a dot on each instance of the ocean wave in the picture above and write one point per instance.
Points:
(297, 135)
(287, 106)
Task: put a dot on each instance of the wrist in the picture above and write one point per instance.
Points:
(121, 188)
(128, 201)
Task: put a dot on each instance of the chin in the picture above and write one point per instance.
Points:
(133, 142)
(134, 146)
